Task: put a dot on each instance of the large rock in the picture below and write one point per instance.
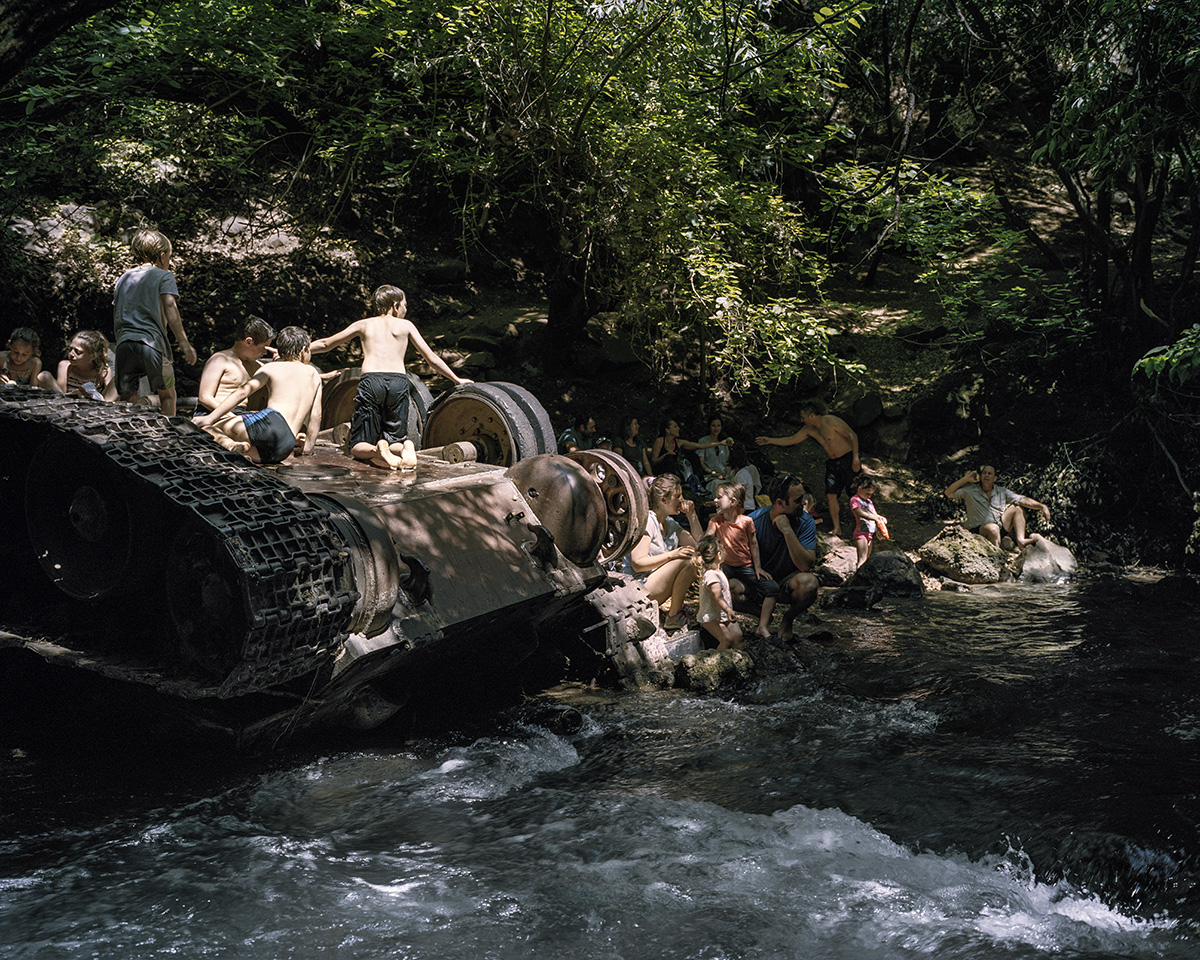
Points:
(1044, 562)
(887, 574)
(964, 556)
(712, 670)
(838, 561)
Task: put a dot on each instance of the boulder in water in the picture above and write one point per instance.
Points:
(711, 670)
(964, 556)
(1044, 562)
(888, 574)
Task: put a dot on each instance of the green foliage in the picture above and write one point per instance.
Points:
(932, 218)
(1179, 360)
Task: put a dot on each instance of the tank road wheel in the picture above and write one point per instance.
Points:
(567, 501)
(337, 404)
(505, 422)
(77, 508)
(625, 500)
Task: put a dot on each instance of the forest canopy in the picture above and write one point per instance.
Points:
(699, 167)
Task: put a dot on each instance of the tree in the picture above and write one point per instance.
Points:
(26, 26)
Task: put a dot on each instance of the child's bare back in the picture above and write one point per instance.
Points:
(378, 431)
(292, 389)
(385, 343)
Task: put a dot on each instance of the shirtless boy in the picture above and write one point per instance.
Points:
(841, 447)
(228, 369)
(293, 400)
(379, 429)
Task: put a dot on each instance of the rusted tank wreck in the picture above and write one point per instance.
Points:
(260, 603)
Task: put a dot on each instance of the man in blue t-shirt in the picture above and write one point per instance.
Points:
(787, 546)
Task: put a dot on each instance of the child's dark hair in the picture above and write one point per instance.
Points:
(386, 296)
(292, 342)
(149, 245)
(27, 335)
(866, 481)
(739, 457)
(256, 328)
(707, 553)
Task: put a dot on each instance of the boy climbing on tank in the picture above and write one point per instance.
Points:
(379, 429)
(228, 369)
(293, 404)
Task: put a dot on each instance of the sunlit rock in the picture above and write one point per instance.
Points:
(712, 670)
(964, 557)
(838, 562)
(1044, 562)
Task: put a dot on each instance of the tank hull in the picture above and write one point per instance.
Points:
(265, 602)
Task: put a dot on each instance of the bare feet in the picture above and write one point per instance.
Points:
(763, 632)
(408, 455)
(230, 444)
(390, 460)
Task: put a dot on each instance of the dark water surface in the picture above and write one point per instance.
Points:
(1007, 773)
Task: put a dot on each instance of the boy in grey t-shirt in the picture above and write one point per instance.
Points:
(144, 307)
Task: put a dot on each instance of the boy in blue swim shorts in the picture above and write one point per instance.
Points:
(293, 404)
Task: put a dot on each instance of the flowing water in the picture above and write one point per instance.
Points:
(1006, 773)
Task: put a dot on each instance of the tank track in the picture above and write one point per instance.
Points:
(256, 582)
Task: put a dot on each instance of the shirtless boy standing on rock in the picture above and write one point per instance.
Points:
(379, 429)
(841, 446)
(294, 403)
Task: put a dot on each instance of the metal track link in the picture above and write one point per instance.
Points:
(259, 585)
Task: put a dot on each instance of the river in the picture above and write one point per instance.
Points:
(1010, 772)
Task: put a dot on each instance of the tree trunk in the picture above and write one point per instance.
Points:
(28, 25)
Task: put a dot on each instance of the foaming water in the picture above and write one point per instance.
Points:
(1009, 775)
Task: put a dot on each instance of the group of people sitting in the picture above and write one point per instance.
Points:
(700, 464)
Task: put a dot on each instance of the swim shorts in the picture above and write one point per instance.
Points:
(380, 409)
(839, 474)
(1003, 532)
(136, 360)
(270, 435)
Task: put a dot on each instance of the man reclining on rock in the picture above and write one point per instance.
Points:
(994, 511)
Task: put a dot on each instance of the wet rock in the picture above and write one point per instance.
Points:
(1044, 562)
(953, 586)
(770, 655)
(867, 409)
(888, 574)
(1177, 588)
(964, 556)
(713, 670)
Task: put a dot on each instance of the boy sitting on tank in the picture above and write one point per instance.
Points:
(293, 401)
(228, 369)
(379, 428)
